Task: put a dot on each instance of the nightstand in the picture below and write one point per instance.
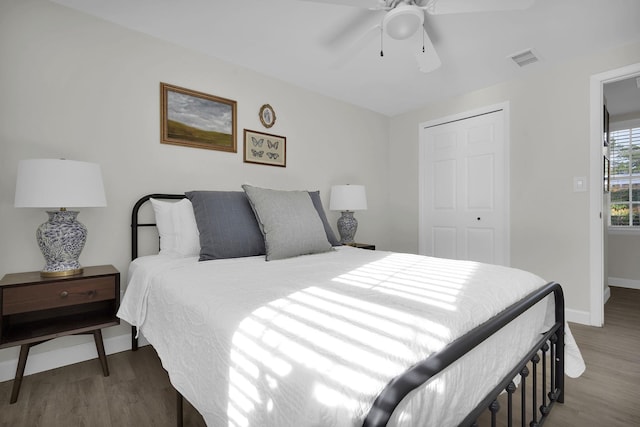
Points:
(362, 246)
(35, 309)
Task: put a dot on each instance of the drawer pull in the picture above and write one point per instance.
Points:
(92, 293)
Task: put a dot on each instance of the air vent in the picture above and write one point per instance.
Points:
(524, 58)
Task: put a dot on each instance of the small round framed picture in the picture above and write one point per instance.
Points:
(267, 116)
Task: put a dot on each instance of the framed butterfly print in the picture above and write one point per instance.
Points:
(265, 148)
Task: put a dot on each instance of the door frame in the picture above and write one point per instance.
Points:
(596, 201)
(505, 107)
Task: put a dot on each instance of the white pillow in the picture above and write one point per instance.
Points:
(177, 227)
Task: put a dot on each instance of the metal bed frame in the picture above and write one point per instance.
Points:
(544, 363)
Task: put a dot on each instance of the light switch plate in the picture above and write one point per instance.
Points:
(579, 183)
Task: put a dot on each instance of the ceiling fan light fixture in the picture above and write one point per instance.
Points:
(403, 21)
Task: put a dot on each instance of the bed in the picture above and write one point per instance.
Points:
(337, 336)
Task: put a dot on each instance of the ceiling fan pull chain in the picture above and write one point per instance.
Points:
(381, 38)
(423, 31)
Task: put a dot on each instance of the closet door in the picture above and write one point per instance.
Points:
(463, 189)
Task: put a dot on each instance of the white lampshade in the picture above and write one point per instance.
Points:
(59, 183)
(348, 198)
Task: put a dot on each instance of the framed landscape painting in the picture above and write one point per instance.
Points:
(196, 119)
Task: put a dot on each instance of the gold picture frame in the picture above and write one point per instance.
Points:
(196, 119)
(267, 116)
(264, 148)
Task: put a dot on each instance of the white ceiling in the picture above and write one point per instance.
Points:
(311, 45)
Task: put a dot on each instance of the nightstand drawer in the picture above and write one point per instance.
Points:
(22, 299)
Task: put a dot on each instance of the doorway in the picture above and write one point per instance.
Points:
(597, 227)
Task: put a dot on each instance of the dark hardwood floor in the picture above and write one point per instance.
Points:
(138, 393)
(608, 393)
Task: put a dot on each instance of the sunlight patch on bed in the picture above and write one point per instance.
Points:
(406, 288)
(343, 308)
(381, 316)
(236, 417)
(420, 280)
(249, 346)
(289, 332)
(249, 368)
(338, 337)
(347, 329)
(308, 337)
(238, 393)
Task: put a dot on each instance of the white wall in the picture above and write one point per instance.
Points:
(549, 146)
(77, 87)
(624, 254)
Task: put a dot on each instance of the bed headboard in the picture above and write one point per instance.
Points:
(135, 221)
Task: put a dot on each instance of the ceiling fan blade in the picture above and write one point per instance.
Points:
(442, 7)
(354, 48)
(365, 4)
(429, 59)
(348, 30)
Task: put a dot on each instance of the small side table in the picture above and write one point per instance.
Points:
(35, 309)
(362, 246)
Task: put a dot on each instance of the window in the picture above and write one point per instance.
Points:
(625, 177)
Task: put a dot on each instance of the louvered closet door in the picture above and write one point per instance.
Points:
(463, 190)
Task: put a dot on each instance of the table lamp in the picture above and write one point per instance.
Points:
(60, 183)
(347, 198)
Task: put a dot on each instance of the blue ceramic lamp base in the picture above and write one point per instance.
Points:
(61, 240)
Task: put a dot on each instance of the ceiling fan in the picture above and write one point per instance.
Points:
(403, 18)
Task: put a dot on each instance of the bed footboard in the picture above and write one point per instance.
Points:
(552, 340)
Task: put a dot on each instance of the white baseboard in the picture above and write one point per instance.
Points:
(577, 316)
(56, 358)
(584, 317)
(624, 283)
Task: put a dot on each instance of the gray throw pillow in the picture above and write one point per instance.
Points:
(227, 225)
(317, 203)
(289, 222)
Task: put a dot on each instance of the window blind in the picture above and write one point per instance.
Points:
(624, 151)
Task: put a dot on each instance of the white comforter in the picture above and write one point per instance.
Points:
(311, 341)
